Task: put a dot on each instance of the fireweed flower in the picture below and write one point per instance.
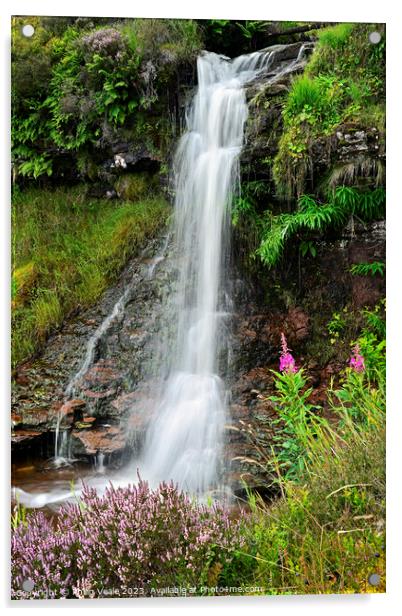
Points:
(357, 360)
(286, 361)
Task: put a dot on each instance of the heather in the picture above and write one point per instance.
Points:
(323, 532)
(198, 289)
(130, 541)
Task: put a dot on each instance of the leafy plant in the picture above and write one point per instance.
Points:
(368, 269)
(336, 326)
(307, 247)
(314, 217)
(250, 28)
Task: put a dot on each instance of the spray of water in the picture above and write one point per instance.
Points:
(185, 441)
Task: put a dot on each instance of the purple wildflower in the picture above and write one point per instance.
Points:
(286, 362)
(131, 537)
(357, 360)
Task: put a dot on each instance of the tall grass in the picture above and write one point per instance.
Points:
(66, 250)
(327, 532)
(304, 91)
(337, 36)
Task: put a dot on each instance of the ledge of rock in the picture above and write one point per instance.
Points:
(102, 439)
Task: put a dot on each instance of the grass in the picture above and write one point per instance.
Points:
(304, 91)
(326, 534)
(326, 531)
(343, 83)
(66, 250)
(335, 37)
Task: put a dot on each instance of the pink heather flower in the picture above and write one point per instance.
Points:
(357, 360)
(286, 361)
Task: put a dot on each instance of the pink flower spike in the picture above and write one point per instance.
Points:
(357, 360)
(286, 361)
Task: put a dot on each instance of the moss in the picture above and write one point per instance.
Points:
(343, 83)
(23, 281)
(134, 186)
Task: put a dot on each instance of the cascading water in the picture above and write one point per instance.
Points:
(185, 441)
(185, 438)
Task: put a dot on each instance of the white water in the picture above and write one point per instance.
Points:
(185, 441)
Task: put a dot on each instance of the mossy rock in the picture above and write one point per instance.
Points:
(135, 186)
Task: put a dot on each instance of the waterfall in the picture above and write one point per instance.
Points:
(184, 442)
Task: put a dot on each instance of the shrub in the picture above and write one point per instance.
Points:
(130, 538)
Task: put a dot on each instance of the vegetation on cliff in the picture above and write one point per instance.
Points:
(329, 165)
(84, 89)
(67, 249)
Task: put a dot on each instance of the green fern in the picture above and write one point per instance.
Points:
(315, 217)
(368, 269)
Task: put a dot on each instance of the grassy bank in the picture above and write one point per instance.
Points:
(327, 533)
(66, 250)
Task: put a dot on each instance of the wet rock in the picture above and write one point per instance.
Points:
(16, 420)
(104, 439)
(71, 411)
(99, 386)
(296, 324)
(35, 417)
(24, 438)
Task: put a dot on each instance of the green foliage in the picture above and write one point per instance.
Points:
(251, 28)
(66, 250)
(305, 93)
(176, 40)
(314, 217)
(336, 325)
(134, 186)
(307, 247)
(375, 320)
(361, 397)
(343, 82)
(217, 25)
(368, 269)
(336, 37)
(18, 516)
(327, 532)
(295, 417)
(76, 84)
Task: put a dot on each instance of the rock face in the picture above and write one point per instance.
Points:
(265, 101)
(113, 400)
(105, 391)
